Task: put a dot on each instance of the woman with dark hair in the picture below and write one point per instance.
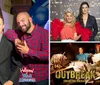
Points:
(87, 21)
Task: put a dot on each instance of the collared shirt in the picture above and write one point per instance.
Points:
(91, 24)
(37, 57)
(82, 57)
(1, 36)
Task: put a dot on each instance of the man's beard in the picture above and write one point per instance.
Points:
(27, 27)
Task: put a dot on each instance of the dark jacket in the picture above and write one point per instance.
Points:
(9, 62)
(91, 24)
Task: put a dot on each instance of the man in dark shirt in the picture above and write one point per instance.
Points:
(9, 60)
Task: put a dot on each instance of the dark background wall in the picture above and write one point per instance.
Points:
(71, 49)
(58, 7)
